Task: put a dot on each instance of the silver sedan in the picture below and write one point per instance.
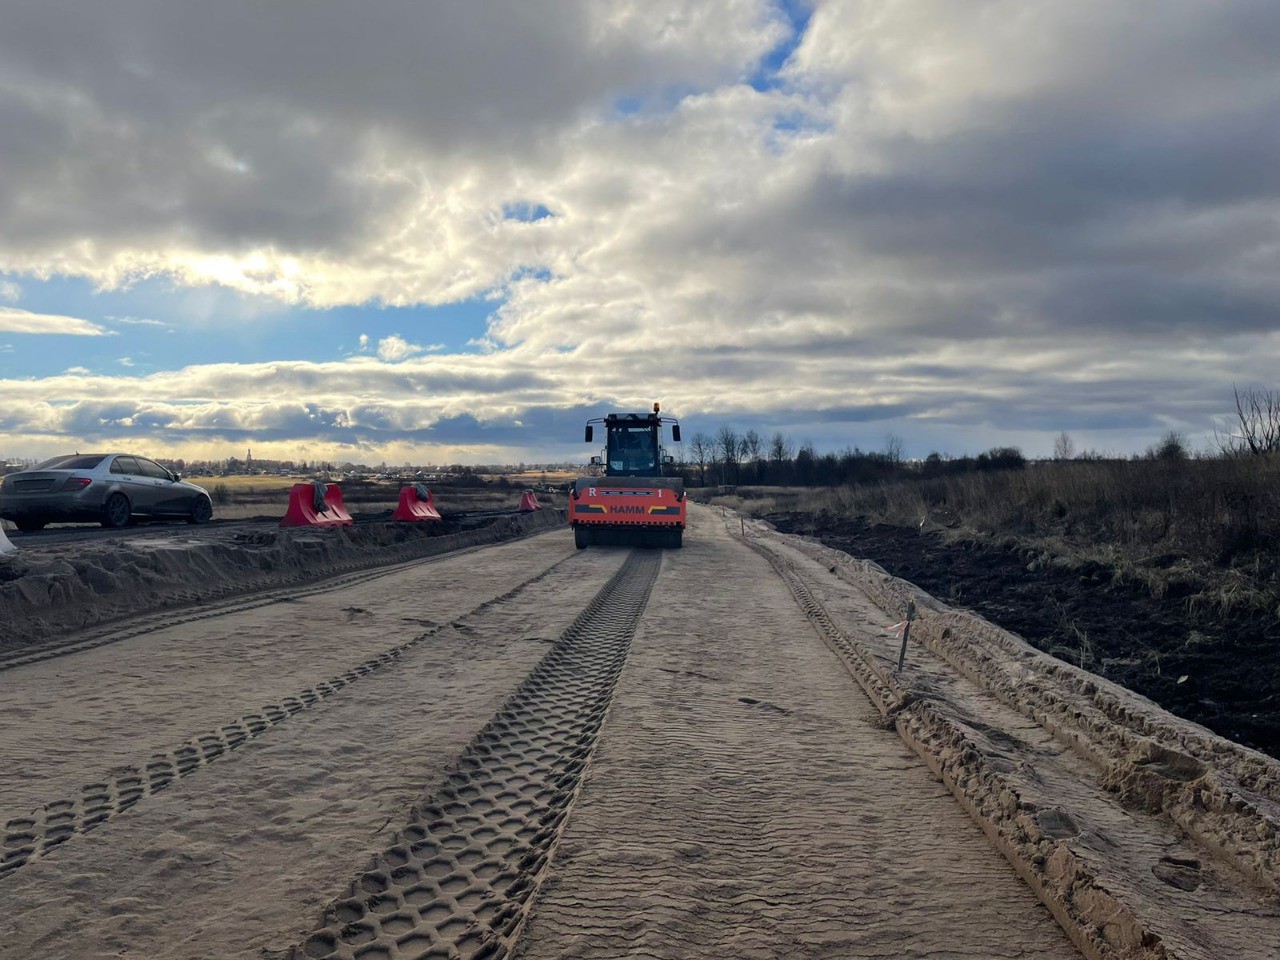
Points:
(109, 488)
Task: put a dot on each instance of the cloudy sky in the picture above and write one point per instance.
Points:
(427, 231)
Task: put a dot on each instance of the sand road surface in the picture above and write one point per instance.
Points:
(531, 751)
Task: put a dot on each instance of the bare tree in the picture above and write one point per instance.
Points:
(726, 450)
(893, 448)
(780, 448)
(752, 448)
(741, 459)
(1064, 448)
(1258, 420)
(703, 449)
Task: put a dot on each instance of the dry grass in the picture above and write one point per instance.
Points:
(249, 485)
(1204, 530)
(531, 478)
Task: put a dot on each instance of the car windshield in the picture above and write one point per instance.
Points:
(73, 462)
(631, 448)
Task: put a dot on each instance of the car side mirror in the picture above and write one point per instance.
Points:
(596, 461)
(588, 437)
(175, 477)
(675, 432)
(668, 459)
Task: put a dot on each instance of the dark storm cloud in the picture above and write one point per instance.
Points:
(231, 124)
(1009, 216)
(1042, 190)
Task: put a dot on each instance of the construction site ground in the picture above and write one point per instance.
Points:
(523, 749)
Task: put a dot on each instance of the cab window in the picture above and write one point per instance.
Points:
(632, 449)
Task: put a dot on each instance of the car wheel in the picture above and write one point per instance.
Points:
(116, 511)
(201, 511)
(581, 537)
(30, 526)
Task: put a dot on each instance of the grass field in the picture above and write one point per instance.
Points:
(531, 478)
(240, 484)
(1209, 528)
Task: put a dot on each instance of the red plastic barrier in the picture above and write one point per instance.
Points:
(307, 508)
(414, 506)
(529, 502)
(338, 509)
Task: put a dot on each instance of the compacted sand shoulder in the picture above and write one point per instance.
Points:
(233, 849)
(1146, 835)
(530, 750)
(51, 592)
(71, 721)
(745, 801)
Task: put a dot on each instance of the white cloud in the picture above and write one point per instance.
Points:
(13, 320)
(308, 174)
(138, 321)
(1022, 216)
(10, 291)
(125, 361)
(396, 347)
(527, 406)
(77, 371)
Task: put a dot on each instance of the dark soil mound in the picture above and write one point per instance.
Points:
(1220, 671)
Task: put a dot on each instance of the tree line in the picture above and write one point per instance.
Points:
(729, 457)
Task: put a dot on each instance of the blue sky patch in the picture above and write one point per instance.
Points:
(525, 211)
(797, 13)
(154, 325)
(541, 274)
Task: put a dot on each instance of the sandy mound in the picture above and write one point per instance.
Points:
(49, 593)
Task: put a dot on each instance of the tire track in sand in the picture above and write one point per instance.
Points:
(460, 879)
(218, 605)
(1089, 857)
(28, 838)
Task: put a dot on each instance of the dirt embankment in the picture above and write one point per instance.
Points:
(1220, 670)
(47, 592)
